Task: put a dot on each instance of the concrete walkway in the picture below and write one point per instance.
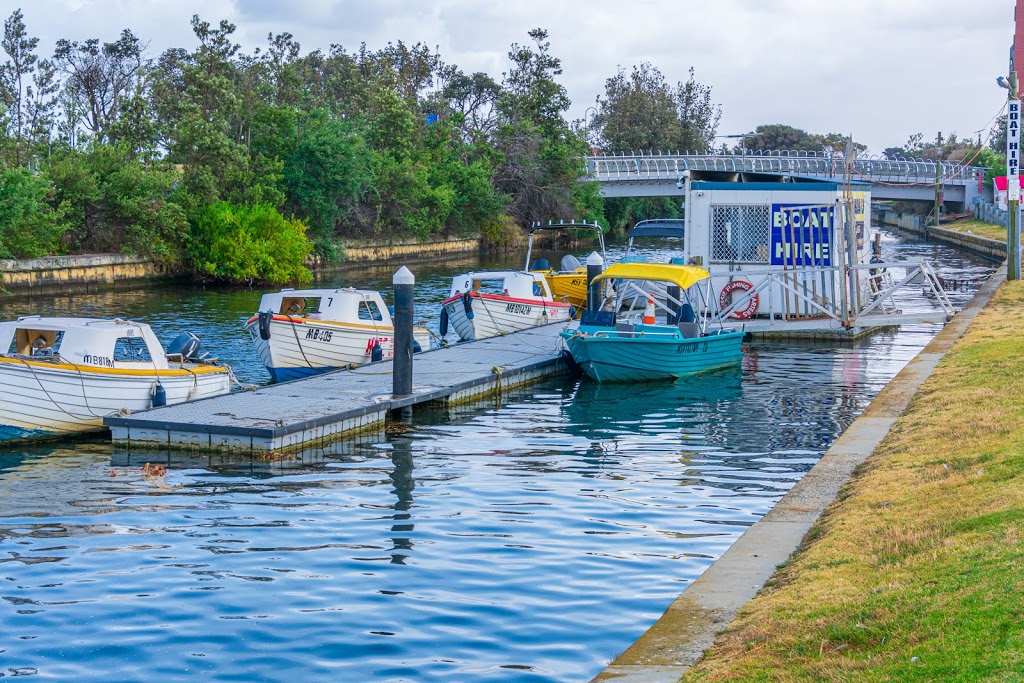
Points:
(689, 626)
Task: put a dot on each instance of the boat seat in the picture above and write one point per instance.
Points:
(689, 330)
(598, 318)
(624, 329)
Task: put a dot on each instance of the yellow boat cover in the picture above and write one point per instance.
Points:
(683, 276)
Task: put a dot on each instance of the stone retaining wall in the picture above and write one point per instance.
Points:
(63, 273)
(363, 251)
(56, 273)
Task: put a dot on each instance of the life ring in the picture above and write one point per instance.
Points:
(753, 301)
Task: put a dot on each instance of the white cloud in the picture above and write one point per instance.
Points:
(879, 69)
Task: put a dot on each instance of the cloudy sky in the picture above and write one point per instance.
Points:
(879, 69)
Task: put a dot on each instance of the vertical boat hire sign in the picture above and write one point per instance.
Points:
(1013, 150)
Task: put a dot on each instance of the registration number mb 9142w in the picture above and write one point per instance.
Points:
(517, 309)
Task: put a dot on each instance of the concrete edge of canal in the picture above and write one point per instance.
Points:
(690, 624)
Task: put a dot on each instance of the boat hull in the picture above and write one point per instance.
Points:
(494, 315)
(300, 347)
(569, 287)
(659, 354)
(59, 398)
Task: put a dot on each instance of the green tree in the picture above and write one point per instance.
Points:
(100, 78)
(326, 176)
(644, 112)
(542, 158)
(26, 91)
(30, 224)
(117, 203)
(778, 136)
(197, 106)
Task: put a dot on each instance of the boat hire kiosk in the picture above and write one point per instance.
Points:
(790, 248)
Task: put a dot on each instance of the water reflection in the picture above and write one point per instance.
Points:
(404, 483)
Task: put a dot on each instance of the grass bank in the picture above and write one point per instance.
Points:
(916, 571)
(976, 227)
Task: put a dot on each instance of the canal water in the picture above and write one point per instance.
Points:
(531, 537)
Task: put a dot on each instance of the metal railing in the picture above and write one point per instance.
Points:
(879, 290)
(670, 166)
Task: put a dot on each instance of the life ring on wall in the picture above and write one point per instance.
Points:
(753, 301)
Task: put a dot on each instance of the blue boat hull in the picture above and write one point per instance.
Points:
(660, 354)
(285, 374)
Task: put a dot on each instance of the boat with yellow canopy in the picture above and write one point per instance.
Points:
(669, 339)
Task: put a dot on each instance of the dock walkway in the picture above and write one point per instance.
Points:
(315, 409)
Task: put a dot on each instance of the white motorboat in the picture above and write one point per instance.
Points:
(64, 375)
(303, 332)
(488, 303)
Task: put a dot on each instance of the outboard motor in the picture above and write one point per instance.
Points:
(541, 264)
(186, 345)
(570, 263)
(264, 322)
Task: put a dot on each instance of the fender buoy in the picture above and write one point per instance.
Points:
(467, 304)
(444, 321)
(753, 301)
(159, 395)
(376, 352)
(265, 318)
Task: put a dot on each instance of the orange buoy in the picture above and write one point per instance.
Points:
(649, 311)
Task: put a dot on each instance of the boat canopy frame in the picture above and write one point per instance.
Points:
(656, 227)
(643, 280)
(561, 225)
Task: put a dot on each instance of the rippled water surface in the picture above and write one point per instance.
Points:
(531, 538)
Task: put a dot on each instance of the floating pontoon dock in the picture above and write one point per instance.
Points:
(306, 411)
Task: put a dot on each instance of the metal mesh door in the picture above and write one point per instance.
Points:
(740, 232)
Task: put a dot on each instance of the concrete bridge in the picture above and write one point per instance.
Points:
(658, 174)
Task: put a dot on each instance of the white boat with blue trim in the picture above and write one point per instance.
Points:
(490, 303)
(64, 375)
(611, 347)
(303, 332)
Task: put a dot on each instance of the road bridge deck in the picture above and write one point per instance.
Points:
(315, 409)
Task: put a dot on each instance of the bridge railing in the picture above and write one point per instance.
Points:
(670, 166)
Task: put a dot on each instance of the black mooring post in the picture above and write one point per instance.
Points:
(673, 307)
(403, 282)
(595, 266)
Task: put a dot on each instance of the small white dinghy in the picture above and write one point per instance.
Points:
(488, 303)
(64, 375)
(303, 332)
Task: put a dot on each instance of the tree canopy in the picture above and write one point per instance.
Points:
(643, 111)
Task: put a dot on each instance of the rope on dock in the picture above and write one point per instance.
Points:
(497, 379)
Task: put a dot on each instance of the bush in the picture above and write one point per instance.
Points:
(29, 225)
(501, 233)
(249, 244)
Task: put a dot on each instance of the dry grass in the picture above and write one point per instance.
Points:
(916, 572)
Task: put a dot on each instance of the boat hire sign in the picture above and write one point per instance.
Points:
(802, 234)
(1013, 150)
